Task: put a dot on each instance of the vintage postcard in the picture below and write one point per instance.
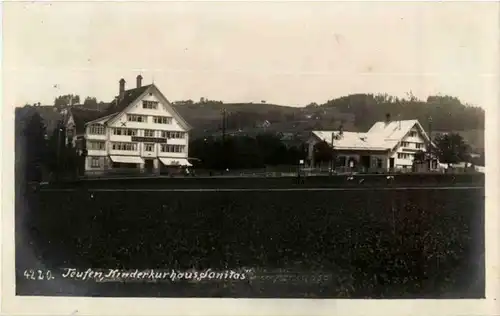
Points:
(250, 157)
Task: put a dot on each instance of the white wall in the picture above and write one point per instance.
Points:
(136, 108)
(409, 150)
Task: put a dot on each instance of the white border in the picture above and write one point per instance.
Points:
(12, 305)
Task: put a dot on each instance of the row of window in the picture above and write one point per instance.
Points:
(96, 145)
(162, 120)
(405, 156)
(124, 146)
(125, 131)
(417, 145)
(144, 119)
(153, 105)
(173, 148)
(148, 133)
(96, 130)
(148, 147)
(137, 118)
(165, 148)
(100, 145)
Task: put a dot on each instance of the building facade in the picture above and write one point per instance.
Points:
(388, 145)
(138, 130)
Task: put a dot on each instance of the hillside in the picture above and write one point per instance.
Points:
(354, 112)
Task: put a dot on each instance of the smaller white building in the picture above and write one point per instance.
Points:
(387, 145)
(138, 130)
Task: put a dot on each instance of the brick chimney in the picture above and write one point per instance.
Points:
(387, 118)
(122, 88)
(139, 81)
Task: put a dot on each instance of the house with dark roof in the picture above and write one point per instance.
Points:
(388, 145)
(75, 118)
(139, 129)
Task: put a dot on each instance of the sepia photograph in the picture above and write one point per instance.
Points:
(250, 150)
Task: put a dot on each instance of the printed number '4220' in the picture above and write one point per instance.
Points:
(38, 275)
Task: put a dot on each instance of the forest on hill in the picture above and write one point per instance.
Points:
(355, 112)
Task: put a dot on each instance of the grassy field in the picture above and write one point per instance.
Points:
(425, 242)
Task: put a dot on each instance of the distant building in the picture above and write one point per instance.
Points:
(139, 129)
(387, 145)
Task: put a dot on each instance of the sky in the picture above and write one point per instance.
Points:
(288, 53)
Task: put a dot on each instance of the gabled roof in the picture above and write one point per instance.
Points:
(132, 95)
(129, 96)
(392, 130)
(83, 115)
(174, 111)
(381, 136)
(349, 140)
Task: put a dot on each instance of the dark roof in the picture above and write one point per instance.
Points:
(83, 115)
(129, 96)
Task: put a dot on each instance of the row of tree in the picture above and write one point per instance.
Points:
(244, 152)
(39, 155)
(448, 113)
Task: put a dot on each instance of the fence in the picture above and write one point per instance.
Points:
(279, 171)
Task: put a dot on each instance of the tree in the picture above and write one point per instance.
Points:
(91, 103)
(272, 149)
(420, 157)
(451, 148)
(65, 100)
(62, 158)
(34, 147)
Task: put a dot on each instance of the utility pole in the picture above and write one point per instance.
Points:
(332, 163)
(59, 130)
(224, 121)
(429, 147)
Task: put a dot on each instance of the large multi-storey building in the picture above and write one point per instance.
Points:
(139, 129)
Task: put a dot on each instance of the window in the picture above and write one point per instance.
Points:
(162, 120)
(404, 156)
(413, 134)
(178, 135)
(149, 133)
(95, 145)
(96, 129)
(137, 118)
(419, 145)
(379, 163)
(149, 147)
(125, 131)
(172, 148)
(405, 144)
(124, 146)
(95, 162)
(131, 132)
(150, 105)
